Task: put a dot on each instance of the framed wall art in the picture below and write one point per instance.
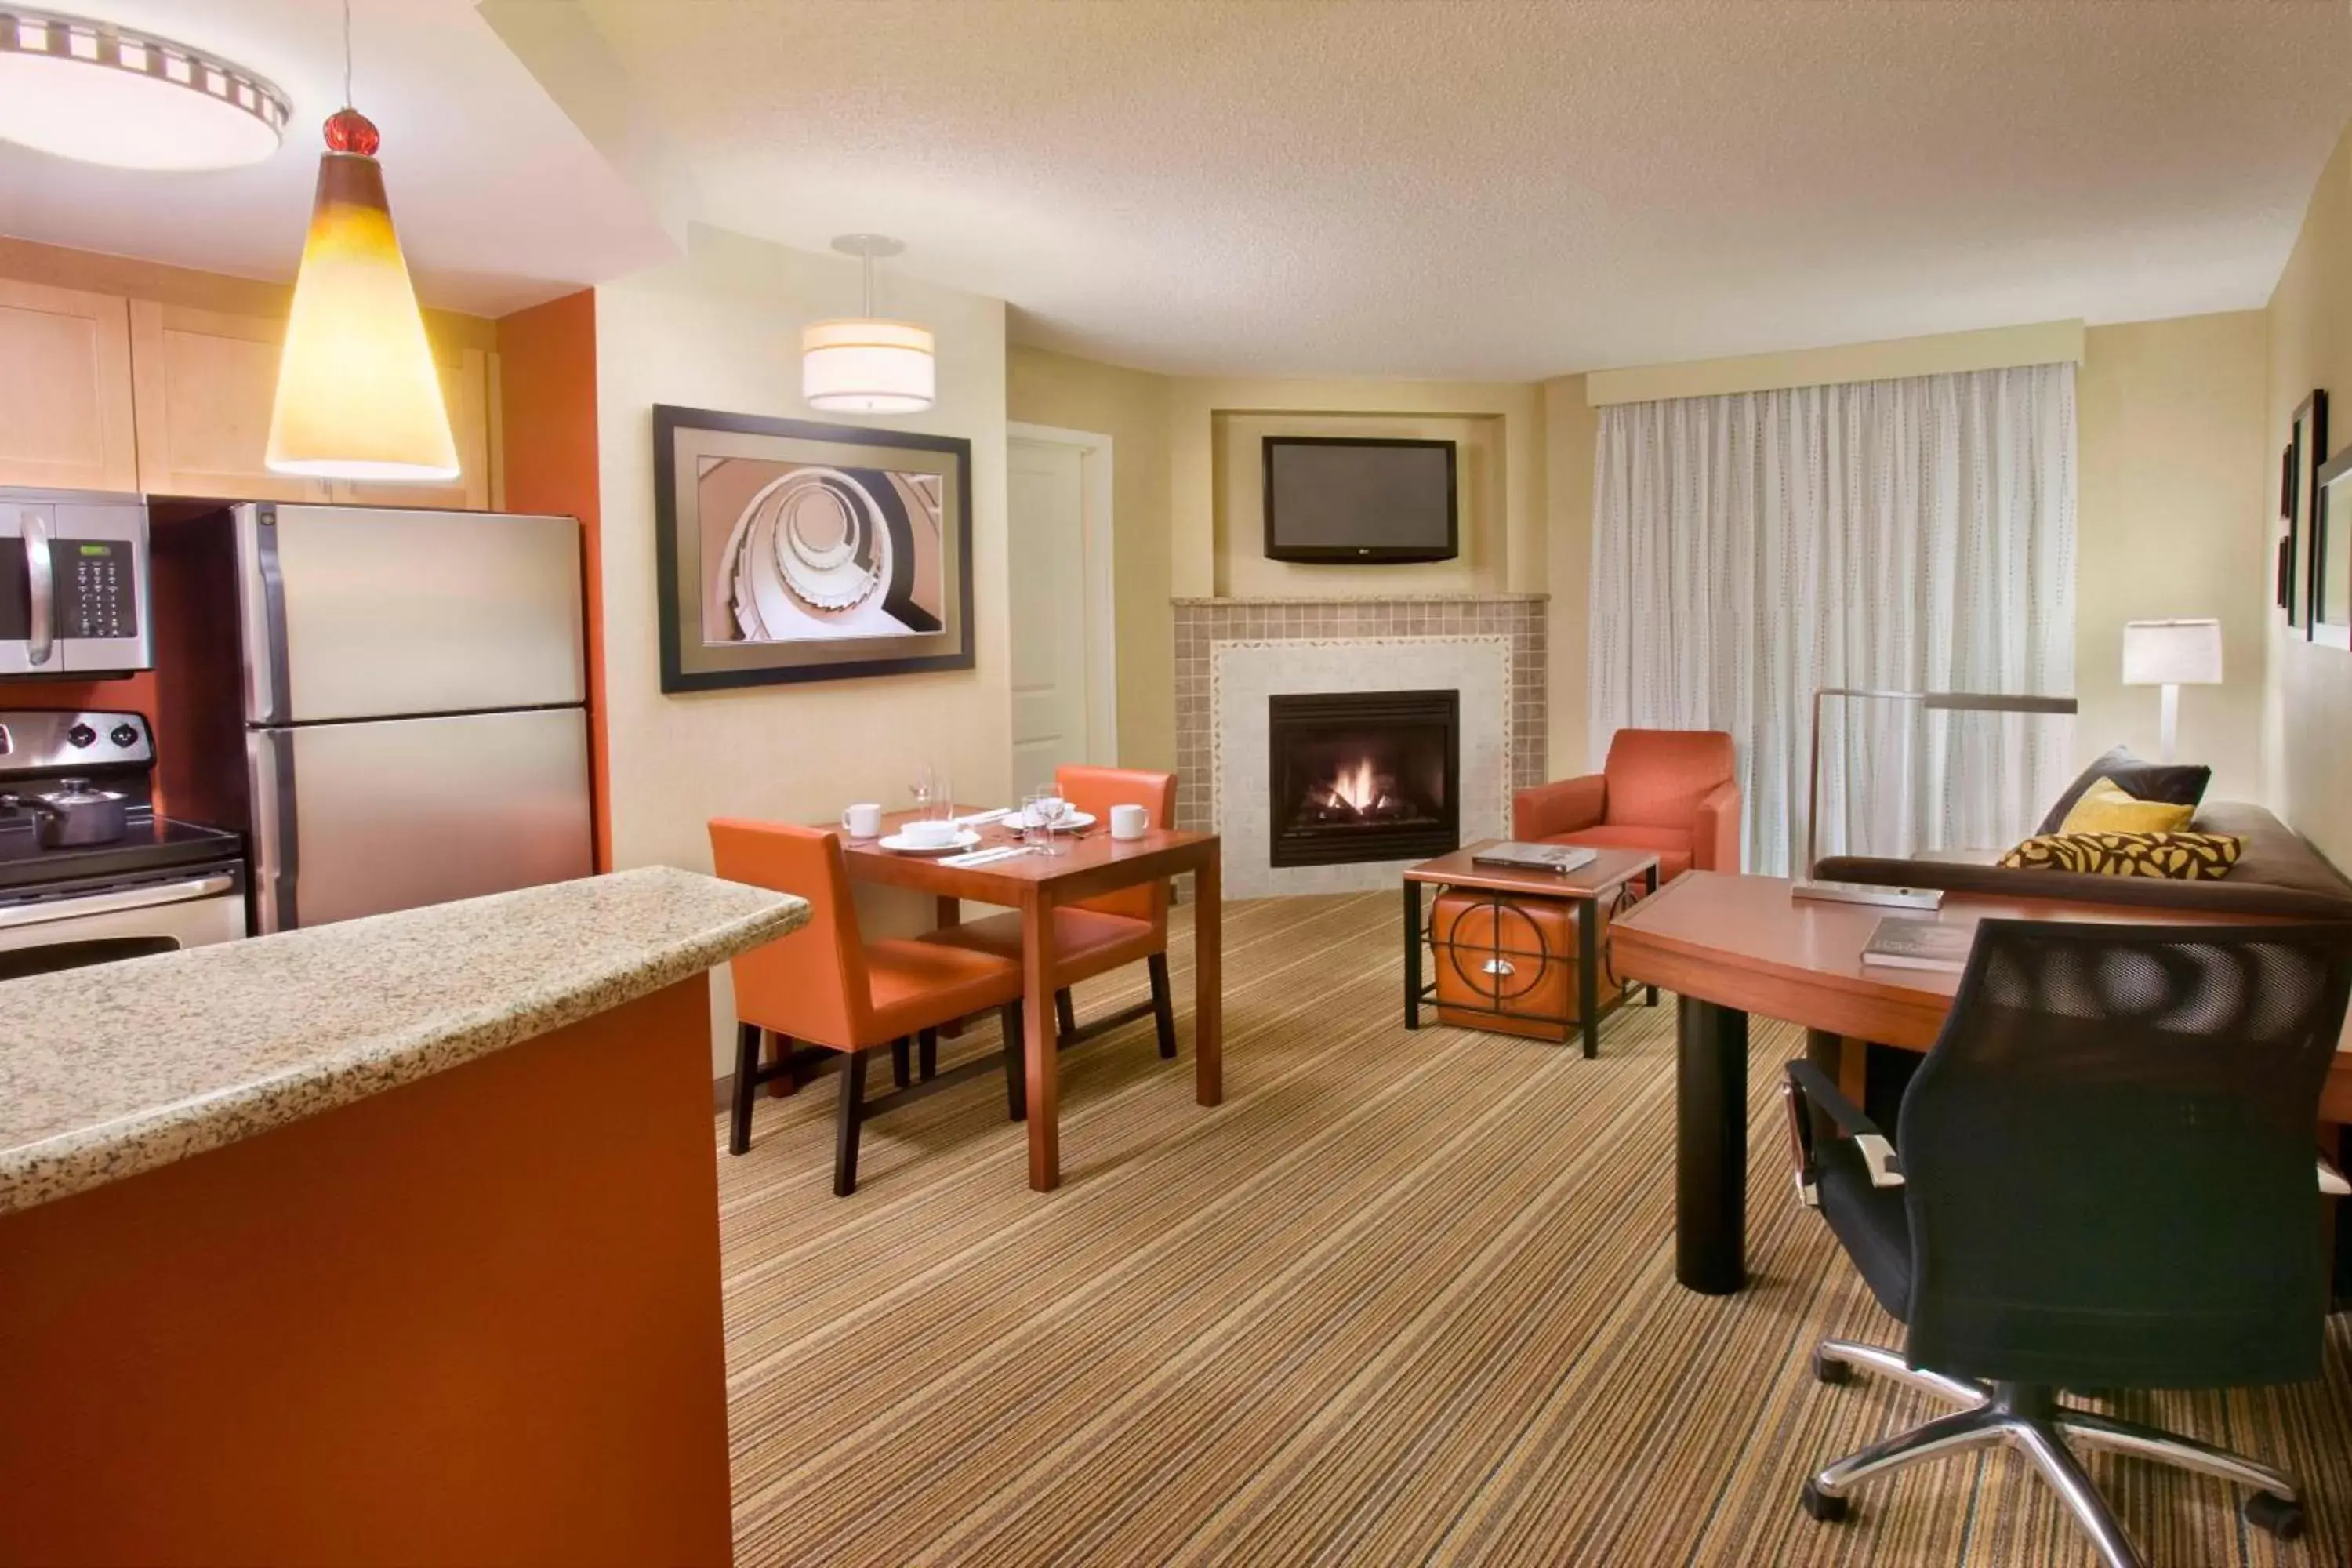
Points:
(794, 551)
(2309, 452)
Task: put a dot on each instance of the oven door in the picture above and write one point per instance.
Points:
(189, 909)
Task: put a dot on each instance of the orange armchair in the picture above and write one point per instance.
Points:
(1674, 791)
(825, 985)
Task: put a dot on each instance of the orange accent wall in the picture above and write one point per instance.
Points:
(475, 1318)
(546, 403)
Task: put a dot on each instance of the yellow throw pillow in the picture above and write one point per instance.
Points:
(2107, 808)
(2182, 857)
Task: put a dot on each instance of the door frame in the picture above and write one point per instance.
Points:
(1102, 606)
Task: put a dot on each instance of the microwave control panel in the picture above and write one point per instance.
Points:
(97, 591)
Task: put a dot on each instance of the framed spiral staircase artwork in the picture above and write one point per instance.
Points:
(796, 551)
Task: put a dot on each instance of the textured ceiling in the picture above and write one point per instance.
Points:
(502, 201)
(1498, 188)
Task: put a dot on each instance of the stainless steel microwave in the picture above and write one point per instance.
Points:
(73, 583)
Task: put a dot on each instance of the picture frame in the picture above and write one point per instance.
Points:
(790, 550)
(2309, 447)
(2331, 582)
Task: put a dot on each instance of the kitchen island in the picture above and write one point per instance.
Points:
(392, 1240)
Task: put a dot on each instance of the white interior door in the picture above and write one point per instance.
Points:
(1047, 497)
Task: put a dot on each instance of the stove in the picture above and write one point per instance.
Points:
(166, 882)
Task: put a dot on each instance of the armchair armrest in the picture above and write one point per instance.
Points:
(1715, 836)
(1563, 807)
(1808, 1089)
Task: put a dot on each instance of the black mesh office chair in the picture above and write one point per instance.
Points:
(2103, 1177)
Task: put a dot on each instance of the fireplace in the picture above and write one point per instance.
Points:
(1364, 775)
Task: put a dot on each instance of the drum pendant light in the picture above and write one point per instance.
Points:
(358, 394)
(868, 365)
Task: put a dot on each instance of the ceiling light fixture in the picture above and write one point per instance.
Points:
(102, 94)
(868, 365)
(358, 394)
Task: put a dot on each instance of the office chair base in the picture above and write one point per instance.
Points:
(2028, 1417)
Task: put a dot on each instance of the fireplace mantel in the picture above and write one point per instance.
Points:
(1501, 635)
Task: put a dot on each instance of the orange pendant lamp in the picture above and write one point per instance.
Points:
(358, 394)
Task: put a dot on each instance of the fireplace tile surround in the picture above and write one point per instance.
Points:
(1503, 636)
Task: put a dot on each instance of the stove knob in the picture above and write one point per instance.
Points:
(81, 735)
(124, 735)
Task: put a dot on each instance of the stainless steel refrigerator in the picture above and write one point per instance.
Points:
(415, 720)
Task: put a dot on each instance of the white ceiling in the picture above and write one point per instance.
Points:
(1478, 188)
(1512, 188)
(502, 201)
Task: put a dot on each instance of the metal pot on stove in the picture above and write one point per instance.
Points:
(74, 814)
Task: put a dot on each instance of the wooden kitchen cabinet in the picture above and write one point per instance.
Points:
(205, 381)
(464, 392)
(66, 416)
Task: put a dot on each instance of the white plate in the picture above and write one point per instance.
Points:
(964, 839)
(1070, 820)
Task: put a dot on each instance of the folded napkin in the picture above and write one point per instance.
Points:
(978, 818)
(985, 857)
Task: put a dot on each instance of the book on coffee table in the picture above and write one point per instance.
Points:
(1902, 942)
(1562, 858)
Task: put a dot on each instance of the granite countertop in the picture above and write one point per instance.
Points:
(111, 1070)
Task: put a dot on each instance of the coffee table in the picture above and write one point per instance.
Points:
(1601, 878)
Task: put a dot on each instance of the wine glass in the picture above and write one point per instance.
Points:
(922, 785)
(1036, 826)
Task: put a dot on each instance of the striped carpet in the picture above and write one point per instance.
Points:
(1403, 1297)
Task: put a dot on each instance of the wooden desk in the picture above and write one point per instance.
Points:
(1035, 885)
(1730, 946)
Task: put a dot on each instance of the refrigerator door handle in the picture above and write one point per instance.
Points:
(269, 759)
(261, 598)
(40, 578)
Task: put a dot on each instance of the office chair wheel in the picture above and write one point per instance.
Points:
(2283, 1517)
(1827, 1509)
(1828, 1371)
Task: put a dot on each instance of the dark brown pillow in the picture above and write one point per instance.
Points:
(2174, 784)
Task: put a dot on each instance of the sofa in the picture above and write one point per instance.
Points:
(1672, 791)
(2277, 873)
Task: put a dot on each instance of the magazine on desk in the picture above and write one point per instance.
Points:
(1562, 858)
(1907, 942)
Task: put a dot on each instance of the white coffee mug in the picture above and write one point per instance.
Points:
(1129, 821)
(863, 820)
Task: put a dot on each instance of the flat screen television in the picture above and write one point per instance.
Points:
(1357, 499)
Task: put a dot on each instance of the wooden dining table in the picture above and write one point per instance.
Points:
(1091, 863)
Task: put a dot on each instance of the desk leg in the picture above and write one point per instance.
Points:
(1650, 884)
(1587, 974)
(1209, 980)
(1710, 1147)
(945, 913)
(1413, 955)
(1041, 1056)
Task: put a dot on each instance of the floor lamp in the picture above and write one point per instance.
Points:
(2172, 653)
(1934, 702)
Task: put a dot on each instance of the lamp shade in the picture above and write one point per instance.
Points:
(358, 394)
(868, 366)
(2172, 653)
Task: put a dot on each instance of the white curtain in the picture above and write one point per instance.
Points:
(1914, 535)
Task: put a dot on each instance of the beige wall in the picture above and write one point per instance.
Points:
(1130, 407)
(1243, 571)
(722, 330)
(2307, 695)
(2172, 521)
(1570, 425)
(1195, 473)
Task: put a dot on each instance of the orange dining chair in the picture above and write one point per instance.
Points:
(1095, 936)
(826, 985)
